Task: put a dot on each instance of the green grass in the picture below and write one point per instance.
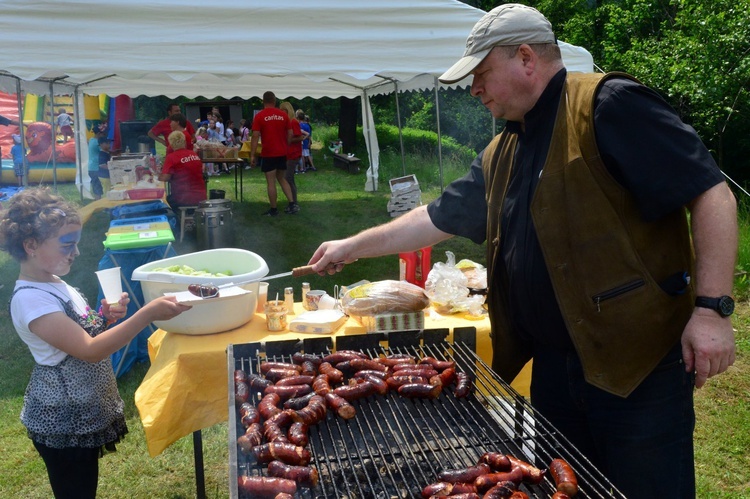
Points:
(334, 205)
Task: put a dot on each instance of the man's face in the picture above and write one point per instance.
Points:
(500, 84)
(174, 110)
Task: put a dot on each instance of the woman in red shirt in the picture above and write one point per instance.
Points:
(184, 172)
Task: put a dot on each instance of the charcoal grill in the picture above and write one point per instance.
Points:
(395, 446)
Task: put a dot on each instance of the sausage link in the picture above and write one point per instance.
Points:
(309, 368)
(269, 405)
(298, 434)
(341, 356)
(354, 392)
(313, 413)
(321, 385)
(263, 487)
(267, 366)
(420, 390)
(448, 377)
(300, 358)
(295, 380)
(437, 489)
(501, 490)
(412, 367)
(496, 460)
(519, 494)
(334, 375)
(248, 414)
(565, 478)
(396, 381)
(340, 406)
(439, 365)
(559, 495)
(241, 393)
(463, 385)
(531, 474)
(240, 376)
(258, 383)
(370, 364)
(277, 374)
(288, 392)
(304, 476)
(381, 387)
(424, 373)
(272, 432)
(464, 488)
(298, 403)
(392, 360)
(369, 372)
(485, 482)
(252, 437)
(286, 452)
(464, 474)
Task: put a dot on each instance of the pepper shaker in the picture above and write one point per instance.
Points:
(289, 300)
(305, 289)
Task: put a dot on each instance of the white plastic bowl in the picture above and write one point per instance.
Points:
(212, 315)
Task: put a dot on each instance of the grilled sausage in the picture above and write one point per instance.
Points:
(485, 482)
(295, 380)
(420, 390)
(204, 290)
(464, 495)
(354, 392)
(278, 374)
(448, 377)
(241, 393)
(424, 373)
(267, 366)
(369, 372)
(341, 356)
(463, 488)
(298, 434)
(437, 489)
(399, 358)
(309, 368)
(263, 487)
(560, 495)
(334, 375)
(252, 437)
(340, 406)
(501, 490)
(298, 403)
(285, 452)
(320, 385)
(396, 381)
(438, 365)
(519, 494)
(283, 495)
(369, 364)
(269, 405)
(258, 383)
(496, 460)
(313, 413)
(412, 367)
(565, 478)
(274, 433)
(381, 387)
(304, 476)
(248, 414)
(240, 376)
(464, 474)
(531, 474)
(288, 392)
(300, 358)
(463, 385)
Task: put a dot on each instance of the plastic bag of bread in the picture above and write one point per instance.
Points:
(384, 297)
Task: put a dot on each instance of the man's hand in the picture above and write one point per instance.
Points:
(707, 345)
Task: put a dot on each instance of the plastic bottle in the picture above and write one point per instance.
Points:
(414, 266)
(127, 149)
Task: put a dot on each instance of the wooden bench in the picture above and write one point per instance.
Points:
(349, 163)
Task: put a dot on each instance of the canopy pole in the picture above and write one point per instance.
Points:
(440, 138)
(21, 132)
(400, 135)
(367, 131)
(54, 135)
(77, 137)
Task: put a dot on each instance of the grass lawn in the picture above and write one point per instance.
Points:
(334, 205)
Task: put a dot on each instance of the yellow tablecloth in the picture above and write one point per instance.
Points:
(185, 389)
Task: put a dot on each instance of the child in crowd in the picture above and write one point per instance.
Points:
(201, 136)
(17, 152)
(64, 123)
(72, 409)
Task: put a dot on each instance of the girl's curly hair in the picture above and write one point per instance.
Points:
(33, 214)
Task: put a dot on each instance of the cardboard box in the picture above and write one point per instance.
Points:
(122, 170)
(392, 322)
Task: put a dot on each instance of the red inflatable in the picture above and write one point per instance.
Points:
(39, 139)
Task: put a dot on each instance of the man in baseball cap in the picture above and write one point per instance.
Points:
(582, 201)
(506, 25)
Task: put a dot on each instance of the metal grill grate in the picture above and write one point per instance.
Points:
(396, 446)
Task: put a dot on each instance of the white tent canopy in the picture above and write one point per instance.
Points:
(296, 48)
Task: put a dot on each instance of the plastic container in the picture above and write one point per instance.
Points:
(414, 266)
(140, 224)
(138, 239)
(210, 317)
(146, 193)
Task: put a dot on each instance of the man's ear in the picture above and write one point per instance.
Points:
(528, 57)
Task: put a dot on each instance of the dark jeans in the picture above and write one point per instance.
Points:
(642, 443)
(96, 184)
(73, 472)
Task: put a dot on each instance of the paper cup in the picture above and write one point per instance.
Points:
(327, 302)
(312, 299)
(262, 297)
(275, 315)
(111, 284)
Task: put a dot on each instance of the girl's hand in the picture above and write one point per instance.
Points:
(116, 311)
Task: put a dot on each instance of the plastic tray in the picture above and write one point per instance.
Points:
(146, 193)
(144, 239)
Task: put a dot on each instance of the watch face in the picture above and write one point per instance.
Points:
(726, 306)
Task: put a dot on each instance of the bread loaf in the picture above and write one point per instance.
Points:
(383, 297)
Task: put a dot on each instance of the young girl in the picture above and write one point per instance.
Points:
(72, 409)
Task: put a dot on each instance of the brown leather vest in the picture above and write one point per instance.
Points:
(604, 261)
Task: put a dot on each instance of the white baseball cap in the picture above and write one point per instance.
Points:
(509, 24)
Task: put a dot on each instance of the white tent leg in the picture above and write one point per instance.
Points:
(440, 138)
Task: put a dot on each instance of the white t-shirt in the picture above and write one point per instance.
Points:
(30, 304)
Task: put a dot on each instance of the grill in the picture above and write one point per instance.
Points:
(395, 446)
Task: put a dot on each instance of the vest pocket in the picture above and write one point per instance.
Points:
(616, 291)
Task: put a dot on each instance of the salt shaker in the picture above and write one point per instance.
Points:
(305, 289)
(289, 300)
